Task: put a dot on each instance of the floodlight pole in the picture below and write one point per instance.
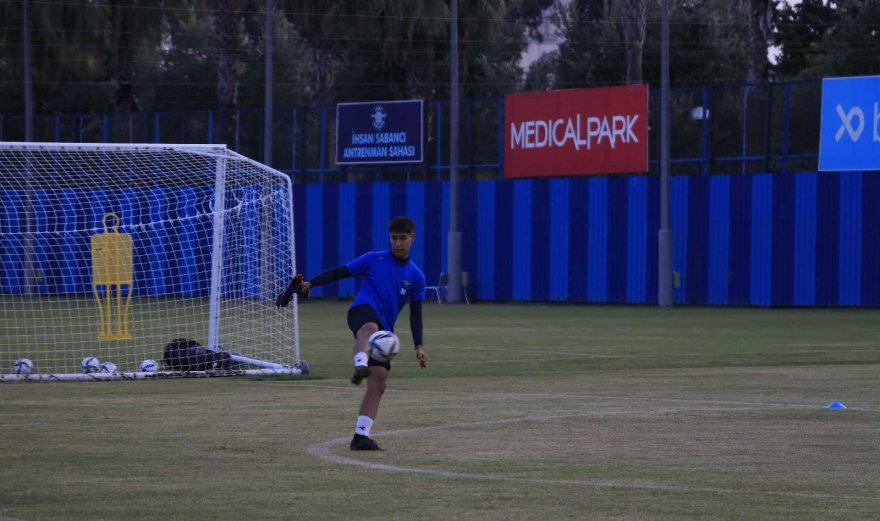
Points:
(28, 88)
(664, 238)
(29, 244)
(453, 254)
(268, 37)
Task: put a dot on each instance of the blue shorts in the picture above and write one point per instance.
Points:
(357, 317)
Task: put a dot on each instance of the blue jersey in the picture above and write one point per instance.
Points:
(388, 284)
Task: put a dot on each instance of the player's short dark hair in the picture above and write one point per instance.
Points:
(401, 224)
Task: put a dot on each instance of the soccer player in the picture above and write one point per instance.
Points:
(391, 279)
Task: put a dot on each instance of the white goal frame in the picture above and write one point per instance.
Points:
(267, 193)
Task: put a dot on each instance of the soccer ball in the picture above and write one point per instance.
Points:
(23, 366)
(90, 364)
(383, 346)
(108, 367)
(148, 366)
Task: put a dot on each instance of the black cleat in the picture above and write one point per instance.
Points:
(360, 442)
(360, 372)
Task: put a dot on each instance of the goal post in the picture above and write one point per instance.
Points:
(115, 250)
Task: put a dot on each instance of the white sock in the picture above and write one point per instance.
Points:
(363, 426)
(360, 359)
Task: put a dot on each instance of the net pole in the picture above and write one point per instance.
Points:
(28, 79)
(453, 291)
(292, 242)
(664, 237)
(217, 253)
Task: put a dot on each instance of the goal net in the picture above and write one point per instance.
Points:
(114, 251)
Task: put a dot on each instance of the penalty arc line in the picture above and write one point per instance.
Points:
(323, 451)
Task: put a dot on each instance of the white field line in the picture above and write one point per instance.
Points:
(323, 451)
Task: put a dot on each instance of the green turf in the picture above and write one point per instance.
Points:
(525, 412)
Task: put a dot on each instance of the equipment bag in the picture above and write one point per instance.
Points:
(182, 354)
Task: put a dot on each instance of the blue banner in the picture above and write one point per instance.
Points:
(850, 133)
(379, 132)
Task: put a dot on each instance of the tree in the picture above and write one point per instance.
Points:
(839, 41)
(67, 56)
(329, 31)
(492, 40)
(707, 43)
(396, 49)
(131, 25)
(592, 9)
(759, 37)
(530, 13)
(228, 29)
(633, 27)
(591, 52)
(542, 73)
(416, 31)
(800, 28)
(120, 35)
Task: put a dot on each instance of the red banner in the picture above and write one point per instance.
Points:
(576, 132)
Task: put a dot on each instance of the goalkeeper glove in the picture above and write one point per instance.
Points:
(294, 287)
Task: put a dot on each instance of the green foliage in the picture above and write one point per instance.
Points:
(707, 45)
(827, 39)
(592, 53)
(541, 75)
(67, 56)
(142, 55)
(491, 43)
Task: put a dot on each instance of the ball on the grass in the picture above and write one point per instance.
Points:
(23, 366)
(108, 367)
(90, 364)
(383, 345)
(148, 366)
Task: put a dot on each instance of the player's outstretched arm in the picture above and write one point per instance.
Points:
(302, 287)
(421, 356)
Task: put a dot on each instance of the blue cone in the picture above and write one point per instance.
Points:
(835, 405)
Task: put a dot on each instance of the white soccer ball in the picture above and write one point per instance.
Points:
(90, 364)
(148, 366)
(23, 366)
(108, 367)
(383, 345)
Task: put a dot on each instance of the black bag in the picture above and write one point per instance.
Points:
(182, 354)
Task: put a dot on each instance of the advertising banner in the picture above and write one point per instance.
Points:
(849, 136)
(576, 132)
(379, 132)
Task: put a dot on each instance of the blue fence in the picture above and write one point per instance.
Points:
(807, 239)
(803, 239)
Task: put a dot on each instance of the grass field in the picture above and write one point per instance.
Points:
(524, 412)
